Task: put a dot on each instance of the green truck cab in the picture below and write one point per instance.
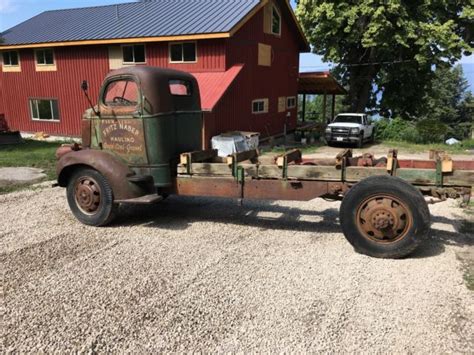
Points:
(145, 118)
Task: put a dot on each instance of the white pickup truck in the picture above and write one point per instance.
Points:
(350, 128)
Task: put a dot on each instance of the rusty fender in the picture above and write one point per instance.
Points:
(113, 169)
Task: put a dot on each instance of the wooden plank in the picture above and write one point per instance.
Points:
(291, 156)
(209, 169)
(302, 172)
(198, 156)
(447, 165)
(264, 55)
(242, 156)
(459, 178)
(431, 164)
(417, 176)
(355, 174)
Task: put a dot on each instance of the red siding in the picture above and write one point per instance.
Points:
(210, 56)
(281, 79)
(73, 66)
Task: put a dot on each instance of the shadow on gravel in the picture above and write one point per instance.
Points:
(178, 213)
(438, 239)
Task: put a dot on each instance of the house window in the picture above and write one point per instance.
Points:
(183, 52)
(133, 54)
(180, 88)
(44, 56)
(121, 93)
(260, 106)
(10, 58)
(44, 109)
(276, 21)
(291, 102)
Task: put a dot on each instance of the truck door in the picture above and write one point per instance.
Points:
(120, 126)
(367, 127)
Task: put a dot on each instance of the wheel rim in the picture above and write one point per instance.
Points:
(383, 219)
(87, 194)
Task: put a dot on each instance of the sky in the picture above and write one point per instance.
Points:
(13, 12)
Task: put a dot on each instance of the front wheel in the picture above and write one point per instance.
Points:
(90, 197)
(384, 217)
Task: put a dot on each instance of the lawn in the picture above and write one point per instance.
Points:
(30, 153)
(462, 148)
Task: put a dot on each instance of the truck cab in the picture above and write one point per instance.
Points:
(144, 119)
(350, 128)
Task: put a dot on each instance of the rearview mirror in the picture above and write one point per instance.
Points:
(85, 85)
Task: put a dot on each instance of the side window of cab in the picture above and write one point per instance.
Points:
(121, 93)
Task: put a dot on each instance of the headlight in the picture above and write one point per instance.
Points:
(354, 130)
(328, 130)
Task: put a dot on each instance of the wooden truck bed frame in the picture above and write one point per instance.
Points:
(291, 177)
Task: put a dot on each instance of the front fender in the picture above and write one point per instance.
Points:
(112, 168)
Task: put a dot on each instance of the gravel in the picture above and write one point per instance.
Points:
(199, 274)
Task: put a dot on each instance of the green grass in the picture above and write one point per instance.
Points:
(307, 149)
(417, 148)
(30, 153)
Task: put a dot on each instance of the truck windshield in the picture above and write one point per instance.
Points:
(348, 119)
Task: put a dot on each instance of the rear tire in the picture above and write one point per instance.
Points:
(90, 198)
(384, 217)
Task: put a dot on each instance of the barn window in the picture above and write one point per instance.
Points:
(183, 52)
(260, 106)
(10, 58)
(276, 21)
(44, 109)
(291, 102)
(180, 87)
(44, 56)
(133, 54)
(121, 93)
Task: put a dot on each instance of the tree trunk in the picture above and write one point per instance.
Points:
(361, 78)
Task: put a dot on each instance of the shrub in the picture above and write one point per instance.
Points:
(396, 129)
(431, 131)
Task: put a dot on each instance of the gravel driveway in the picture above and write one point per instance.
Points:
(205, 275)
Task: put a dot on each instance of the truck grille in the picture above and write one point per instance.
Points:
(340, 132)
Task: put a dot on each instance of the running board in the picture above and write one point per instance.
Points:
(144, 200)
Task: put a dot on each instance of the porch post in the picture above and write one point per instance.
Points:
(324, 107)
(333, 106)
(304, 108)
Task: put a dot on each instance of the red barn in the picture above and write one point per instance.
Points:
(244, 54)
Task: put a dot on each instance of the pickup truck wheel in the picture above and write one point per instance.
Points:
(90, 198)
(360, 142)
(372, 138)
(384, 217)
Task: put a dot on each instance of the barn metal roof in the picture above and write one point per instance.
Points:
(158, 18)
(213, 85)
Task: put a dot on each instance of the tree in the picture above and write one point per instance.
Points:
(448, 101)
(390, 44)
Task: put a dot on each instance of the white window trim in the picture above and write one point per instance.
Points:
(182, 61)
(12, 65)
(45, 65)
(287, 102)
(265, 106)
(30, 101)
(133, 46)
(279, 14)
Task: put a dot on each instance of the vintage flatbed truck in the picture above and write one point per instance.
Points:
(142, 142)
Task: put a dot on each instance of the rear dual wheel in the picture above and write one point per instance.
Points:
(384, 217)
(90, 197)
